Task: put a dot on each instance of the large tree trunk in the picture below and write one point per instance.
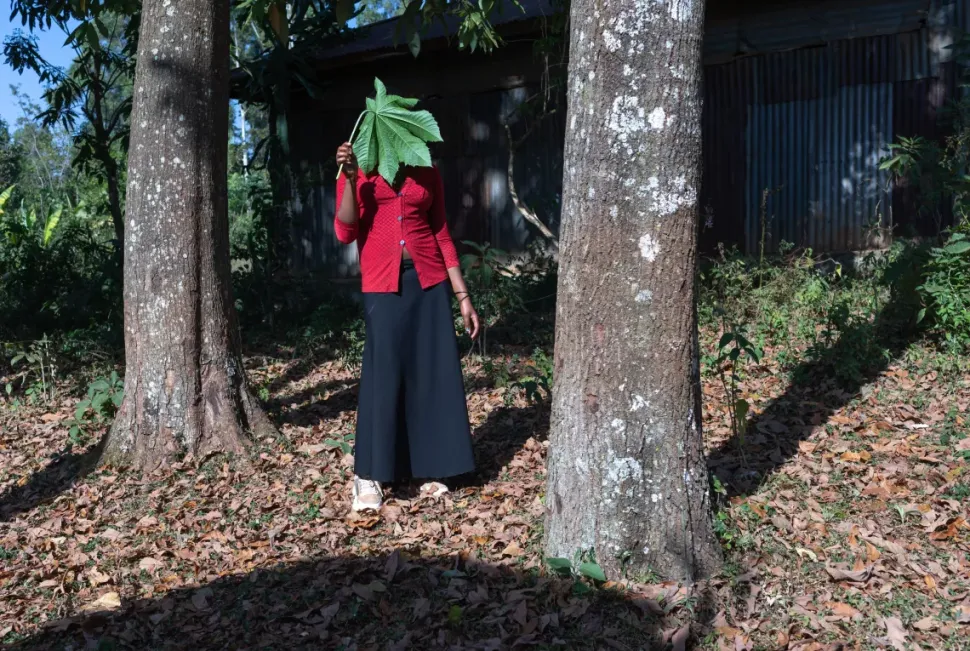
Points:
(627, 474)
(185, 387)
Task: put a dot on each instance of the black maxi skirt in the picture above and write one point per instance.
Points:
(412, 419)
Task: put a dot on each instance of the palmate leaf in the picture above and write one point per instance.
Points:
(391, 134)
(365, 146)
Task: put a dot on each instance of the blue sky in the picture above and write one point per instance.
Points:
(51, 47)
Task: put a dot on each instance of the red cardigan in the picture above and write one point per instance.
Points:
(391, 219)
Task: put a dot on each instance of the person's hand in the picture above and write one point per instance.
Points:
(346, 158)
(470, 316)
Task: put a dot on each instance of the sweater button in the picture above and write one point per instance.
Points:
(400, 217)
(402, 242)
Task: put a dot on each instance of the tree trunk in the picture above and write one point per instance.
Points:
(185, 387)
(627, 473)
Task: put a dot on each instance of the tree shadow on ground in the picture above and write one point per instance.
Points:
(314, 405)
(822, 385)
(380, 603)
(502, 435)
(66, 469)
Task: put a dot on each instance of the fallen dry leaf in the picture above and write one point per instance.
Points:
(843, 610)
(107, 601)
(896, 633)
(854, 575)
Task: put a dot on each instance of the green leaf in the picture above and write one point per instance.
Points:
(98, 401)
(957, 248)
(741, 408)
(380, 90)
(580, 589)
(403, 102)
(592, 571)
(725, 340)
(886, 164)
(560, 565)
(408, 149)
(52, 223)
(365, 146)
(82, 408)
(420, 124)
(454, 614)
(5, 197)
(117, 397)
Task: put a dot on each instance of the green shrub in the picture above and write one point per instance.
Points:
(56, 273)
(946, 290)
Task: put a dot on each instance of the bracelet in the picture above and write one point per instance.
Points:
(457, 293)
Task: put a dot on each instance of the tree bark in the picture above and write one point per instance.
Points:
(627, 473)
(185, 386)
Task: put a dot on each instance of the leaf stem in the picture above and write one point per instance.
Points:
(352, 134)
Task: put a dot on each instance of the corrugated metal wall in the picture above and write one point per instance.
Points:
(794, 139)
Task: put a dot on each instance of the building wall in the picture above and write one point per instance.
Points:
(801, 99)
(793, 139)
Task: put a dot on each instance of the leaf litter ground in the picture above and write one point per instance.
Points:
(843, 516)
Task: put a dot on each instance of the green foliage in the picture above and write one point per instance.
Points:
(940, 173)
(344, 443)
(92, 99)
(103, 399)
(946, 289)
(494, 292)
(475, 29)
(537, 386)
(583, 568)
(37, 370)
(734, 352)
(391, 134)
(57, 272)
(335, 330)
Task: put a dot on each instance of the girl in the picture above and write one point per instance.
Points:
(412, 420)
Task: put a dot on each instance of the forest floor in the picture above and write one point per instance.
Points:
(843, 514)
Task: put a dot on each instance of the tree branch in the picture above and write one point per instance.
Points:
(524, 210)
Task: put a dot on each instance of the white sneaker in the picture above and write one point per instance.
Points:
(434, 489)
(368, 495)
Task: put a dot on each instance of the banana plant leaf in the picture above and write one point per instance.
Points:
(392, 134)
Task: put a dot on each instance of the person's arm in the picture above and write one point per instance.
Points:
(468, 313)
(439, 226)
(348, 213)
